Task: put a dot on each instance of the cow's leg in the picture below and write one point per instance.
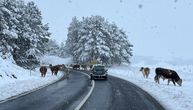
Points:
(156, 79)
(168, 81)
(173, 82)
(56, 72)
(52, 72)
(163, 78)
(147, 75)
(143, 72)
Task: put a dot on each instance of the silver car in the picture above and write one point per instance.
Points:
(98, 72)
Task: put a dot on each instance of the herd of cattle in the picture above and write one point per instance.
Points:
(54, 69)
(163, 73)
(62, 67)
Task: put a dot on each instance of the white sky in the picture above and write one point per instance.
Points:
(158, 28)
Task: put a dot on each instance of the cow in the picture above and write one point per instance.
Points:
(62, 66)
(145, 71)
(91, 66)
(84, 67)
(76, 67)
(43, 71)
(169, 74)
(54, 69)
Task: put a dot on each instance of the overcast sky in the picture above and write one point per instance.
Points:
(155, 27)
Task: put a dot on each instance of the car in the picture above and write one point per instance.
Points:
(98, 72)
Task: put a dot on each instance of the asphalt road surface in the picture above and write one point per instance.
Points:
(118, 94)
(111, 94)
(58, 96)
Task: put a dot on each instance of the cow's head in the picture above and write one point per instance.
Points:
(50, 65)
(179, 82)
(141, 69)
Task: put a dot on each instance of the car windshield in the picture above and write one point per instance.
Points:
(99, 68)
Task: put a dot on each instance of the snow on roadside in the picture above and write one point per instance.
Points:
(171, 97)
(12, 87)
(26, 81)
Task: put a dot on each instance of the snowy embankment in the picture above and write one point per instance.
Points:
(24, 80)
(170, 96)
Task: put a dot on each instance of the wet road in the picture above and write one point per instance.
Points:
(113, 94)
(58, 96)
(118, 94)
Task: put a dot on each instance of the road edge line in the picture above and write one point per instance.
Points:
(87, 96)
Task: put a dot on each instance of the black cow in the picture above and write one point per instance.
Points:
(169, 74)
(76, 67)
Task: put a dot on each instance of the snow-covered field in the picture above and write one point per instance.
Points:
(170, 96)
(26, 81)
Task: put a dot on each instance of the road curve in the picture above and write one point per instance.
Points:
(118, 94)
(58, 96)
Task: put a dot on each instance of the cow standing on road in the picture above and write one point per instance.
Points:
(54, 69)
(171, 75)
(76, 67)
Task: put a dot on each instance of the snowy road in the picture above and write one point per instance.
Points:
(118, 94)
(113, 94)
(59, 96)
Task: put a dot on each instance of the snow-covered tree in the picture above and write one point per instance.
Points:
(94, 38)
(21, 30)
(52, 48)
(62, 51)
(7, 27)
(73, 35)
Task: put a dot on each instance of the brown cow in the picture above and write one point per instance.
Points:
(43, 71)
(169, 74)
(145, 71)
(54, 69)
